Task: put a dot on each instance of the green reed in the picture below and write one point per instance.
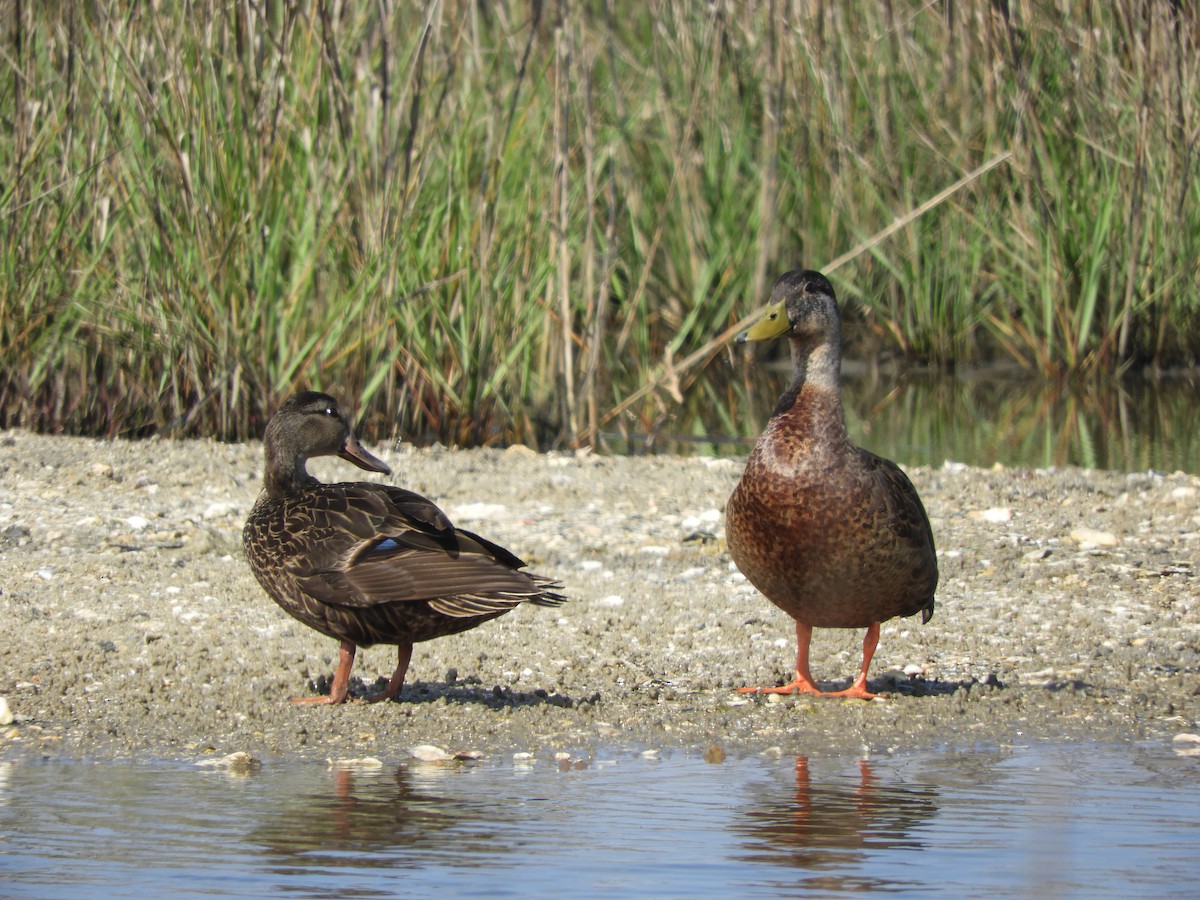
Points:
(528, 221)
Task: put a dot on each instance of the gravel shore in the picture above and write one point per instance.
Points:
(132, 628)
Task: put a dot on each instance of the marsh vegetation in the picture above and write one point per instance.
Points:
(492, 222)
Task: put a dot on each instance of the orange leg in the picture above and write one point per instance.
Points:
(859, 687)
(803, 682)
(339, 692)
(392, 691)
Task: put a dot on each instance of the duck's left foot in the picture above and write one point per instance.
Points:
(392, 691)
(796, 686)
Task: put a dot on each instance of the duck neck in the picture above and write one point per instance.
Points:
(816, 372)
(286, 473)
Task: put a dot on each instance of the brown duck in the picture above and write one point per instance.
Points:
(833, 535)
(369, 563)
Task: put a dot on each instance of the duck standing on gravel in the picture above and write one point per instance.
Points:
(369, 563)
(833, 535)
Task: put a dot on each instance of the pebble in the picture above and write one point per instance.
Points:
(1091, 537)
(1186, 744)
(219, 510)
(6, 714)
(995, 515)
(428, 753)
(239, 763)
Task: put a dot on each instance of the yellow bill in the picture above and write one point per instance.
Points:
(774, 323)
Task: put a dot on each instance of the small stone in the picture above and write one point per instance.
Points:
(6, 714)
(995, 515)
(1091, 537)
(219, 510)
(137, 523)
(239, 763)
(612, 600)
(650, 754)
(428, 753)
(912, 670)
(714, 754)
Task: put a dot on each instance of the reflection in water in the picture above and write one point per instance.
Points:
(835, 824)
(980, 419)
(362, 815)
(1081, 820)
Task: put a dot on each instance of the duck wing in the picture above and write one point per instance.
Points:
(905, 516)
(371, 544)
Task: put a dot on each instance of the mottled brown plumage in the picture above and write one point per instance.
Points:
(369, 563)
(833, 535)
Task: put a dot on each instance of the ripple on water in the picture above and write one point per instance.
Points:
(1040, 821)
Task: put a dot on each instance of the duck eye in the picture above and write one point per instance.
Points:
(773, 316)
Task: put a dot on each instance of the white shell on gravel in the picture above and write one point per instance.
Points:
(428, 753)
(1091, 537)
(995, 515)
(239, 763)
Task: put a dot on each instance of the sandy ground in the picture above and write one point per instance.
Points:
(132, 628)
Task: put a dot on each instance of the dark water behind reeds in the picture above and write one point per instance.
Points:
(982, 418)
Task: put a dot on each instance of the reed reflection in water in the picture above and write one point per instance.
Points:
(919, 418)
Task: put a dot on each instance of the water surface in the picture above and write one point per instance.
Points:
(980, 418)
(1047, 821)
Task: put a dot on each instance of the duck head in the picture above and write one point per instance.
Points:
(802, 305)
(310, 424)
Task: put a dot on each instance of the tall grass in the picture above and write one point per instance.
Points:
(532, 221)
